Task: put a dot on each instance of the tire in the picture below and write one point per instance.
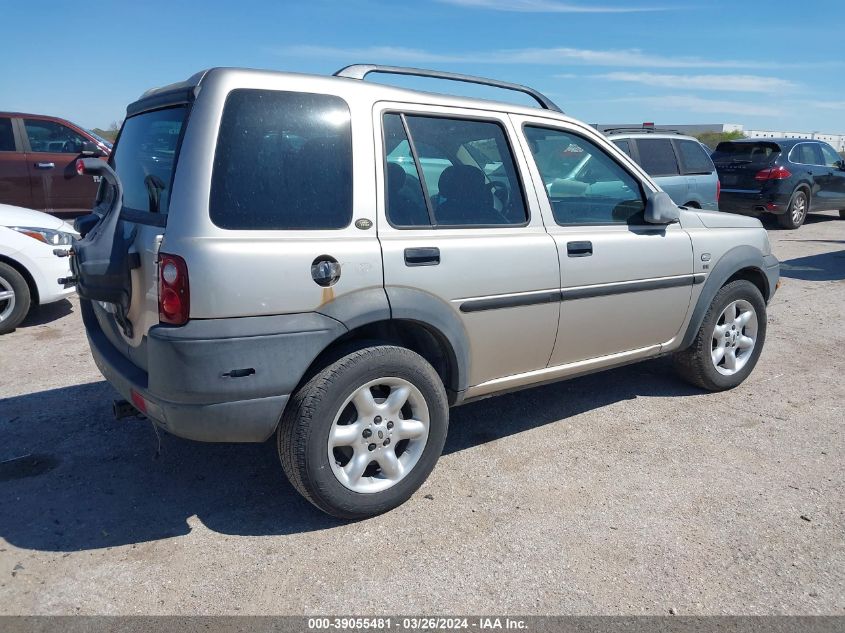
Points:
(698, 363)
(14, 308)
(321, 453)
(796, 212)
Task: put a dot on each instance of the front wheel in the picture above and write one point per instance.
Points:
(729, 341)
(796, 212)
(362, 435)
(15, 298)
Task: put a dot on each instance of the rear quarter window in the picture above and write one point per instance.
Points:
(283, 161)
(657, 156)
(7, 138)
(694, 159)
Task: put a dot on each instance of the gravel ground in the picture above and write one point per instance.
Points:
(626, 492)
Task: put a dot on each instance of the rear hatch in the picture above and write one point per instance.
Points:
(739, 162)
(125, 299)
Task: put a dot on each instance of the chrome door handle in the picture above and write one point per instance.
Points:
(45, 165)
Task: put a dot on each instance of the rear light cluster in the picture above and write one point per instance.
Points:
(773, 173)
(174, 297)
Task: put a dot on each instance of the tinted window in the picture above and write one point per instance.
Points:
(7, 138)
(584, 184)
(49, 136)
(693, 157)
(405, 198)
(468, 170)
(657, 156)
(625, 146)
(145, 158)
(806, 154)
(759, 153)
(831, 158)
(283, 161)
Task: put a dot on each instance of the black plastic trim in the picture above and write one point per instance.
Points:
(514, 301)
(625, 287)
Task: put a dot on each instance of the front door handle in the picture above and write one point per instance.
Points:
(423, 256)
(579, 249)
(45, 165)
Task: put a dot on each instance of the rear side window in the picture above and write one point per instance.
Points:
(657, 156)
(466, 167)
(7, 138)
(694, 159)
(145, 158)
(806, 154)
(283, 161)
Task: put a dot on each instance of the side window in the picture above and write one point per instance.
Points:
(7, 137)
(584, 184)
(468, 171)
(283, 161)
(694, 159)
(49, 136)
(805, 154)
(405, 198)
(831, 158)
(657, 157)
(624, 145)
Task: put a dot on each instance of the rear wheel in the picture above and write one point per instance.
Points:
(729, 341)
(14, 298)
(796, 212)
(363, 434)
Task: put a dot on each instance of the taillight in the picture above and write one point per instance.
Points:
(174, 297)
(718, 189)
(80, 166)
(773, 173)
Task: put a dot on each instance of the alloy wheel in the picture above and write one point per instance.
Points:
(7, 299)
(734, 337)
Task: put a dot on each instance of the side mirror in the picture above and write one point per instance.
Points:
(91, 149)
(660, 209)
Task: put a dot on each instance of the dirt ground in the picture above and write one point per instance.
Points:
(626, 492)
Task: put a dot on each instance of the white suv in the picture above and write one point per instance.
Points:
(339, 262)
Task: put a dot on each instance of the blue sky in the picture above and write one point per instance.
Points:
(765, 64)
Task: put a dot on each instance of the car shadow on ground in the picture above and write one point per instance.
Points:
(822, 267)
(72, 478)
(42, 315)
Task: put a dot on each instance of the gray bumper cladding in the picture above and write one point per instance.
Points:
(217, 380)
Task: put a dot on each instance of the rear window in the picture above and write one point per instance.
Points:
(657, 156)
(694, 159)
(757, 153)
(145, 157)
(283, 161)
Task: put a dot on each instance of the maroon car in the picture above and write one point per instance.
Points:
(37, 163)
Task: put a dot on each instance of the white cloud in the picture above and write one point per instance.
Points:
(624, 58)
(686, 103)
(545, 6)
(726, 83)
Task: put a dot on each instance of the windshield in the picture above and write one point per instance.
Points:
(758, 153)
(145, 158)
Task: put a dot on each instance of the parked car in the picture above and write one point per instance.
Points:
(29, 268)
(37, 157)
(785, 177)
(334, 292)
(679, 164)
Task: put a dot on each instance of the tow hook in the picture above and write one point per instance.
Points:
(124, 409)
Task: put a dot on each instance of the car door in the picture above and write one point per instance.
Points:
(625, 285)
(657, 157)
(14, 176)
(834, 180)
(52, 150)
(806, 159)
(462, 238)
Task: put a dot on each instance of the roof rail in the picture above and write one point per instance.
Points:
(650, 130)
(360, 71)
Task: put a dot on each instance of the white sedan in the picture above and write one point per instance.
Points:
(29, 268)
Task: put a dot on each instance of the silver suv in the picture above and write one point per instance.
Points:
(338, 262)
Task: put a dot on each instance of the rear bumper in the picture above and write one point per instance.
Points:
(189, 387)
(753, 202)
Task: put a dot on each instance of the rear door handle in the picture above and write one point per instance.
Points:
(423, 256)
(45, 165)
(579, 249)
